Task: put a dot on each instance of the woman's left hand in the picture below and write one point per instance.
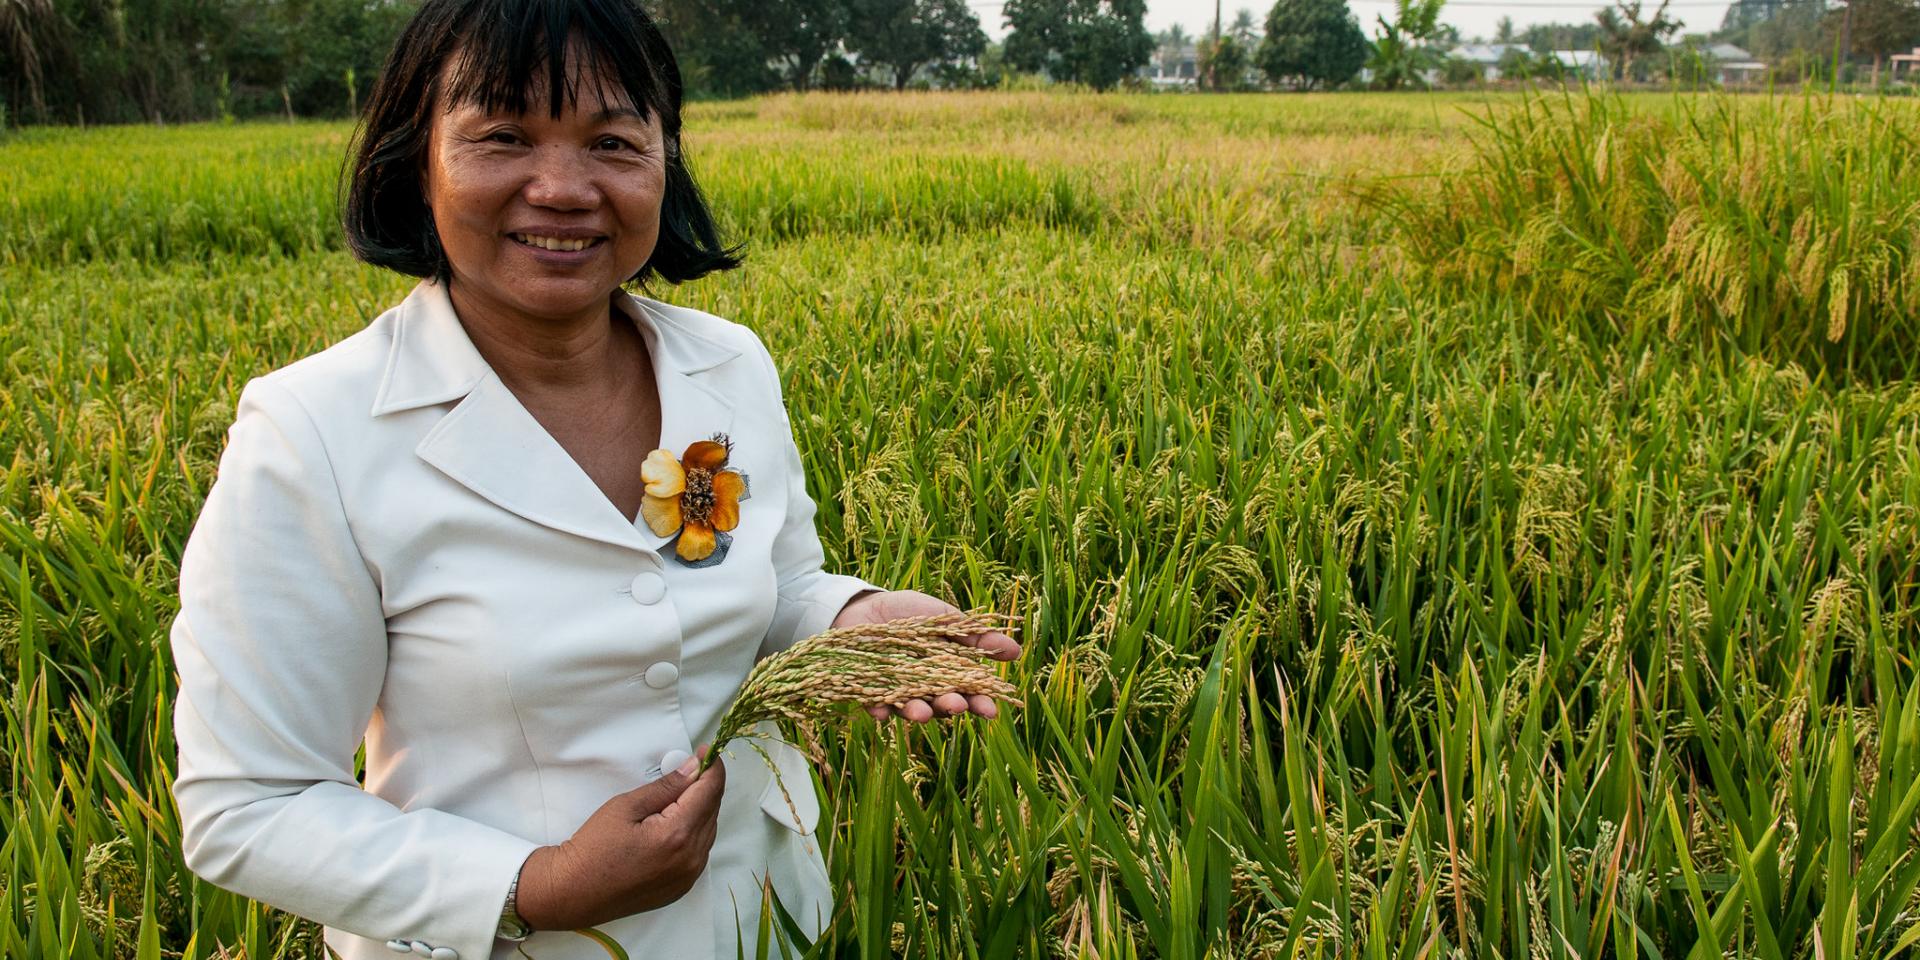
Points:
(894, 604)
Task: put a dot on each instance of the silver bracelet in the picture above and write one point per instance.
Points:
(512, 925)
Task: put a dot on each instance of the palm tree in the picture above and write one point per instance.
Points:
(22, 23)
(1624, 35)
(1402, 55)
(1244, 30)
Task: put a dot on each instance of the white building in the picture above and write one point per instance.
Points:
(1586, 63)
(1174, 69)
(1734, 65)
(1909, 60)
(1486, 55)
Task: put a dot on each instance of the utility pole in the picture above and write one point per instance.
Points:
(1213, 52)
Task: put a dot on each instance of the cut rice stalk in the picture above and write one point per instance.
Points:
(889, 663)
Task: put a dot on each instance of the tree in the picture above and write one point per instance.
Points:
(1547, 66)
(730, 43)
(839, 74)
(1224, 61)
(1095, 42)
(903, 35)
(1795, 28)
(1244, 30)
(25, 28)
(799, 32)
(1503, 31)
(1690, 63)
(1742, 15)
(1624, 35)
(1516, 64)
(1403, 53)
(1170, 42)
(1875, 28)
(1461, 72)
(1311, 43)
(720, 51)
(329, 39)
(1548, 37)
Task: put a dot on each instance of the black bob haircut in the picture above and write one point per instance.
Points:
(502, 46)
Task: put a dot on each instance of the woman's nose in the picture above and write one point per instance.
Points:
(561, 180)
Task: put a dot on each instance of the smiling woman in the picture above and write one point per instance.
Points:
(442, 536)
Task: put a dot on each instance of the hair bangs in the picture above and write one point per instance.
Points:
(515, 49)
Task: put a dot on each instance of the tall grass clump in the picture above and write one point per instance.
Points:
(1787, 227)
(196, 192)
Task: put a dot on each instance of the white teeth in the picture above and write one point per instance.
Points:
(553, 243)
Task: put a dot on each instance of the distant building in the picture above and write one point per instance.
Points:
(1733, 65)
(1486, 55)
(1586, 63)
(1171, 68)
(1909, 60)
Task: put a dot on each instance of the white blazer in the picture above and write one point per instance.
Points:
(396, 550)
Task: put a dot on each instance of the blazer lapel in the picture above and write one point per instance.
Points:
(492, 445)
(690, 408)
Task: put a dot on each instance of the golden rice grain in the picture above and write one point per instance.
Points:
(870, 663)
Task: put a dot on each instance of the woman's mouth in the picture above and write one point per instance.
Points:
(556, 244)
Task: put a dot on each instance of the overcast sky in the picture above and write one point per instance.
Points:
(1472, 17)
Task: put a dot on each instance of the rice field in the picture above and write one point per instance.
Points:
(1442, 526)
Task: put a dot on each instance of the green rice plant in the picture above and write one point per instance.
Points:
(1788, 226)
(1367, 614)
(777, 168)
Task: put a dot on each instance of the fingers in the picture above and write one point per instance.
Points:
(701, 800)
(916, 710)
(945, 705)
(706, 812)
(651, 799)
(693, 787)
(949, 704)
(994, 642)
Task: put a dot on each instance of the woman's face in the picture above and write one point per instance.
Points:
(544, 217)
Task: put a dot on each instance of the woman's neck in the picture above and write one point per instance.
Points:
(545, 354)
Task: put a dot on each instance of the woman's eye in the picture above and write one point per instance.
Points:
(613, 143)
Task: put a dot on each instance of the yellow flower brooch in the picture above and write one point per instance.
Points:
(698, 496)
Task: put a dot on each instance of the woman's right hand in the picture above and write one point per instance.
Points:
(641, 850)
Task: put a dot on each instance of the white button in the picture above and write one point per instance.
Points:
(420, 947)
(649, 587)
(672, 759)
(662, 675)
(445, 953)
(399, 946)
